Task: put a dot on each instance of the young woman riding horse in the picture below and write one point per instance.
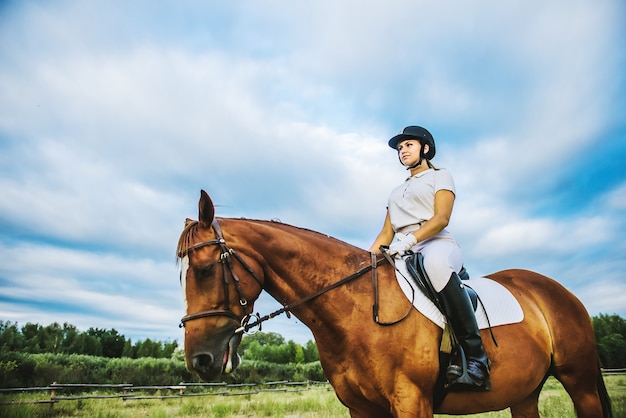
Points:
(418, 213)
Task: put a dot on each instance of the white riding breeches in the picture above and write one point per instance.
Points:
(442, 257)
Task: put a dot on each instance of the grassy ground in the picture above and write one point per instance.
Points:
(315, 402)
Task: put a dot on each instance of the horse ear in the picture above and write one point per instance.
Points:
(206, 210)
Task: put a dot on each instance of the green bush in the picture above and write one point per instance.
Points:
(252, 371)
(26, 370)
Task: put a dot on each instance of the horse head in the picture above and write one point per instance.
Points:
(219, 288)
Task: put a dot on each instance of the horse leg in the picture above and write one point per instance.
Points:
(407, 401)
(527, 408)
(410, 401)
(374, 412)
(421, 409)
(575, 365)
(586, 391)
(403, 407)
(358, 405)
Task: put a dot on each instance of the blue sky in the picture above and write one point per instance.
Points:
(113, 116)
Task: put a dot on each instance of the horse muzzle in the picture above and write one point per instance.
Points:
(209, 363)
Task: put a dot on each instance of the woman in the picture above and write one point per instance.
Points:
(418, 212)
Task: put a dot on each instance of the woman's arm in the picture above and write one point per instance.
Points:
(444, 202)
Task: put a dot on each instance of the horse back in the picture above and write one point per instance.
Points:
(564, 315)
(534, 290)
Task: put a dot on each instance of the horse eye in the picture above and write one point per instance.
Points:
(205, 270)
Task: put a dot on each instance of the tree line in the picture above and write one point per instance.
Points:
(36, 355)
(272, 348)
(610, 331)
(67, 339)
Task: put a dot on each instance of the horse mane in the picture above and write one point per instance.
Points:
(187, 237)
(298, 229)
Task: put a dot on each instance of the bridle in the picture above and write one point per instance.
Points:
(226, 260)
(226, 255)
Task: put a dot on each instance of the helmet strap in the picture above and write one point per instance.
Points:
(417, 164)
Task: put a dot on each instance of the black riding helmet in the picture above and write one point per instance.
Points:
(415, 132)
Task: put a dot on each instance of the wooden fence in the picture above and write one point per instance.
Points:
(126, 391)
(613, 371)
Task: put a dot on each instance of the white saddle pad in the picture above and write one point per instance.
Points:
(497, 302)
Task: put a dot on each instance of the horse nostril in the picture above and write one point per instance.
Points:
(202, 361)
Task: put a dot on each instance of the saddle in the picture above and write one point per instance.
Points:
(415, 265)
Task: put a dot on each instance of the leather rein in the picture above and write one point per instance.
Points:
(226, 260)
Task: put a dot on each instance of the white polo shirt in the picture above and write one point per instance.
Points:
(413, 202)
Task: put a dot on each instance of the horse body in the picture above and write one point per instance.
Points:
(379, 371)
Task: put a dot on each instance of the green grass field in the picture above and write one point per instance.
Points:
(319, 402)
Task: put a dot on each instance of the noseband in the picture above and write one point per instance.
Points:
(227, 263)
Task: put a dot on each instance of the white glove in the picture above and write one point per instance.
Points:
(403, 244)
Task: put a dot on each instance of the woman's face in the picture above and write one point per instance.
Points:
(409, 151)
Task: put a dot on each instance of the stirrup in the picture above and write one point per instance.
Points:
(459, 379)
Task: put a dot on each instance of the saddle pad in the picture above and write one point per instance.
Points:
(500, 305)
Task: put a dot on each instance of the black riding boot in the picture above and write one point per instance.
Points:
(463, 322)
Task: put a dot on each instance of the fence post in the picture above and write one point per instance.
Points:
(53, 394)
(124, 392)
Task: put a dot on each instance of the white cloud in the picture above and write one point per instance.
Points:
(540, 235)
(616, 199)
(602, 295)
(113, 285)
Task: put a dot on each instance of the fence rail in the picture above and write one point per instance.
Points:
(613, 371)
(127, 391)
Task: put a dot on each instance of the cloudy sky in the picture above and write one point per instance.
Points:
(114, 114)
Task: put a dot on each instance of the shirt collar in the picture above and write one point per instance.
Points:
(420, 174)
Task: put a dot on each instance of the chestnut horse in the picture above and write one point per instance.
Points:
(376, 371)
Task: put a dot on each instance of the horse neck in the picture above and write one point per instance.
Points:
(299, 262)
